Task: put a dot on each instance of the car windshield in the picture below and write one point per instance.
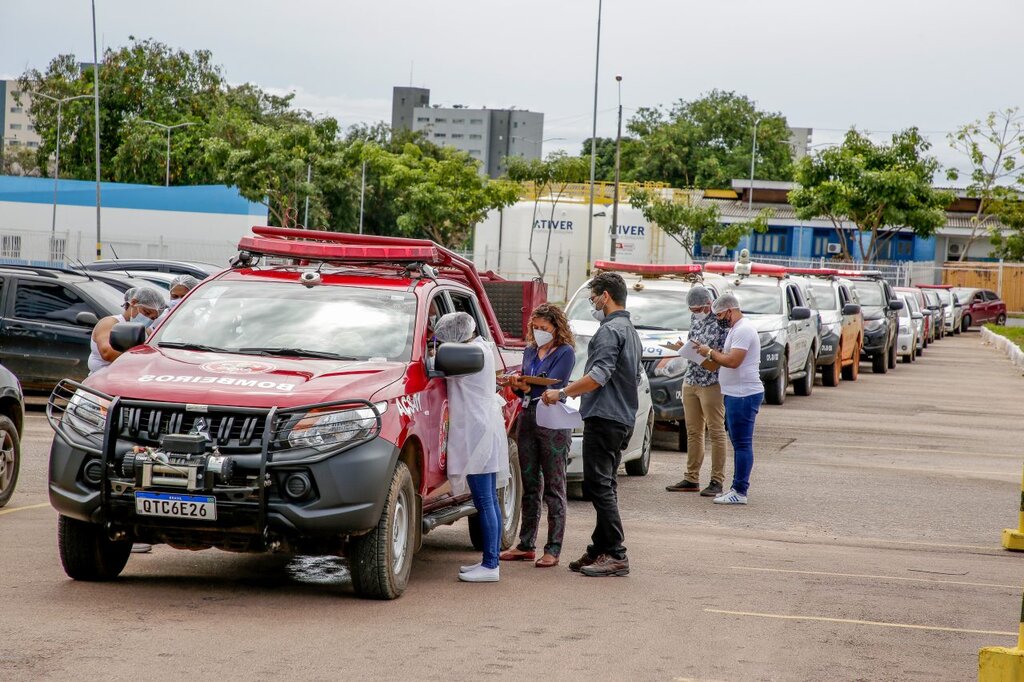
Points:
(107, 296)
(869, 294)
(904, 312)
(824, 297)
(931, 297)
(758, 300)
(648, 308)
(963, 293)
(281, 317)
(944, 295)
(911, 302)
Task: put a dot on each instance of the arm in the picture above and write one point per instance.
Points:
(101, 335)
(606, 348)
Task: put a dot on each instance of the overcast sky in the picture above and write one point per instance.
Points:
(824, 64)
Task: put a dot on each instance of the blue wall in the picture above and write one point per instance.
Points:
(794, 241)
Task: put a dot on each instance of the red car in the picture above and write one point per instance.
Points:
(980, 306)
(294, 403)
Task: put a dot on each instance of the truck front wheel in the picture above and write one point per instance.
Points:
(381, 560)
(87, 553)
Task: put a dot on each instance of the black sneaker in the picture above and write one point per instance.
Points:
(683, 487)
(585, 560)
(714, 489)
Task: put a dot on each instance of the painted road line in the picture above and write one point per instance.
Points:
(26, 508)
(851, 621)
(934, 544)
(879, 448)
(873, 577)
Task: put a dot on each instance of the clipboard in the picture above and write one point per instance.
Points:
(538, 381)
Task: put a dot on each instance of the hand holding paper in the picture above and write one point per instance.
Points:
(689, 352)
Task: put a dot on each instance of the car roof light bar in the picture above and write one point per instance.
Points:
(814, 272)
(743, 269)
(648, 269)
(874, 274)
(934, 286)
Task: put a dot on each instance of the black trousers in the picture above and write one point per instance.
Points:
(603, 443)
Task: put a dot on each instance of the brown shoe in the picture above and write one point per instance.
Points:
(547, 561)
(606, 565)
(584, 560)
(517, 555)
(683, 486)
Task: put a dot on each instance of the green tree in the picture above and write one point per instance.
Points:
(19, 161)
(604, 167)
(708, 142)
(1009, 244)
(688, 224)
(881, 188)
(995, 149)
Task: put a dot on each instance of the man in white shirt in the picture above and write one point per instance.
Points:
(742, 389)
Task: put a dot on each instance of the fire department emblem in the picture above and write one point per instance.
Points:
(442, 457)
(238, 367)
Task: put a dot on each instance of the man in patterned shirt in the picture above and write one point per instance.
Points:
(703, 406)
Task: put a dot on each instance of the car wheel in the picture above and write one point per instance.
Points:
(87, 553)
(879, 362)
(510, 501)
(775, 393)
(381, 560)
(10, 459)
(831, 374)
(852, 371)
(892, 355)
(965, 323)
(640, 467)
(1001, 320)
(684, 441)
(805, 386)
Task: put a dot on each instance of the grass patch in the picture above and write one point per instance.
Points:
(1015, 334)
(1016, 316)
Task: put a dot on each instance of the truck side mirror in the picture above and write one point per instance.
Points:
(126, 335)
(456, 359)
(86, 319)
(917, 316)
(851, 309)
(895, 305)
(800, 313)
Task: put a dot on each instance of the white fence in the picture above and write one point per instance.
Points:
(61, 248)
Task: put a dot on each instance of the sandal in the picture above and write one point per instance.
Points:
(517, 555)
(547, 561)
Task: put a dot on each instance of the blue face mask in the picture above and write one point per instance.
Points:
(173, 303)
(142, 319)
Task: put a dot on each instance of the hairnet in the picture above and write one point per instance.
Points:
(698, 296)
(148, 297)
(187, 281)
(128, 295)
(455, 327)
(723, 303)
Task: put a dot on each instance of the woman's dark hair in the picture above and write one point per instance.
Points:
(610, 283)
(553, 314)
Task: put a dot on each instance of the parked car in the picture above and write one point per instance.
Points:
(938, 311)
(906, 337)
(927, 318)
(788, 328)
(12, 421)
(46, 321)
(954, 309)
(197, 269)
(636, 458)
(980, 306)
(917, 316)
(880, 306)
(842, 323)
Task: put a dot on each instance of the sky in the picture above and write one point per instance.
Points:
(878, 65)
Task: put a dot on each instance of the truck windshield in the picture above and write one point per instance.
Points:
(286, 319)
(648, 308)
(869, 294)
(757, 300)
(581, 358)
(824, 297)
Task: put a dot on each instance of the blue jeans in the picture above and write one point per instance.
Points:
(739, 418)
(485, 499)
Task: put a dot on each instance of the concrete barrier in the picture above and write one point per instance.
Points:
(1011, 349)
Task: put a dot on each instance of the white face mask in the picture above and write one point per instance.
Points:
(542, 337)
(598, 313)
(699, 316)
(142, 319)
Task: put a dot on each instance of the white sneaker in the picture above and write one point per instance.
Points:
(471, 567)
(731, 497)
(480, 575)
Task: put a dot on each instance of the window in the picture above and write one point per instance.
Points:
(476, 121)
(440, 135)
(991, 296)
(457, 136)
(475, 136)
(458, 120)
(48, 302)
(10, 246)
(474, 152)
(16, 110)
(440, 120)
(14, 143)
(423, 119)
(15, 126)
(33, 145)
(31, 128)
(774, 241)
(466, 304)
(516, 124)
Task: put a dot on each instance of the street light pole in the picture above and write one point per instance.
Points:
(753, 157)
(593, 143)
(168, 129)
(96, 130)
(615, 195)
(56, 163)
(362, 197)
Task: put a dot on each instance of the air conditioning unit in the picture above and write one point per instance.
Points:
(834, 248)
(953, 250)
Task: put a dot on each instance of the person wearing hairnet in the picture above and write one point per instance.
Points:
(703, 407)
(180, 285)
(141, 305)
(477, 442)
(740, 380)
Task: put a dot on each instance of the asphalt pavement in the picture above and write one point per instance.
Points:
(870, 550)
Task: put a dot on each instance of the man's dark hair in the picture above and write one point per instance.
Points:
(610, 283)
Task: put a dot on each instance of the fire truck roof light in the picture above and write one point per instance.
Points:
(934, 286)
(814, 272)
(763, 269)
(333, 252)
(647, 268)
(861, 273)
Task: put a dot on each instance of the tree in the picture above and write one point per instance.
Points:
(994, 148)
(881, 188)
(708, 142)
(550, 178)
(604, 168)
(19, 161)
(689, 224)
(1009, 245)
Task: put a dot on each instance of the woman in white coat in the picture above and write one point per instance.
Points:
(477, 442)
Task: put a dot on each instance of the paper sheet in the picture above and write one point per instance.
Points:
(689, 351)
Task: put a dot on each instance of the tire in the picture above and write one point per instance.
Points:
(892, 355)
(805, 386)
(640, 467)
(832, 374)
(10, 459)
(684, 442)
(1001, 320)
(510, 500)
(908, 358)
(852, 371)
(87, 553)
(918, 350)
(880, 362)
(965, 323)
(381, 560)
(775, 394)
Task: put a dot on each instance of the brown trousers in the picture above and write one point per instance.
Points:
(704, 408)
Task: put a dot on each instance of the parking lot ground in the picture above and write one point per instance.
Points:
(870, 550)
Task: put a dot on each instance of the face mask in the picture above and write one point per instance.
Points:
(597, 312)
(542, 337)
(142, 319)
(173, 303)
(699, 316)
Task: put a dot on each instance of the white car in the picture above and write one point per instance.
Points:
(907, 334)
(636, 458)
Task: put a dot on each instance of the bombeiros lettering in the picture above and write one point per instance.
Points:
(221, 381)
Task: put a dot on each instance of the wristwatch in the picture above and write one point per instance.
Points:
(561, 394)
(710, 351)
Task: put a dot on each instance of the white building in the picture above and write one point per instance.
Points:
(15, 123)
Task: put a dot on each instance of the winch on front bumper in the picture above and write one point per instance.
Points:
(243, 479)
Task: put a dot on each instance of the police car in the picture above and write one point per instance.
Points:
(842, 324)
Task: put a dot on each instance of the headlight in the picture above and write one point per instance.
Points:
(835, 328)
(873, 325)
(325, 431)
(904, 329)
(768, 338)
(87, 412)
(671, 367)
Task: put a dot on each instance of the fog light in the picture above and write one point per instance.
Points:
(660, 396)
(297, 486)
(92, 472)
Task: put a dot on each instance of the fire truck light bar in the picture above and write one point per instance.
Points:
(646, 269)
(332, 252)
(764, 269)
(814, 272)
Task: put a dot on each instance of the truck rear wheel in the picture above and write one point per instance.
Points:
(805, 386)
(831, 374)
(510, 501)
(775, 392)
(640, 467)
(87, 553)
(10, 459)
(879, 362)
(381, 560)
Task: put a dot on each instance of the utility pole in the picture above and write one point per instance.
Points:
(56, 163)
(309, 179)
(168, 129)
(96, 130)
(362, 197)
(753, 158)
(618, 157)
(593, 144)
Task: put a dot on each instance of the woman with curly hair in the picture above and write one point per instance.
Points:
(543, 453)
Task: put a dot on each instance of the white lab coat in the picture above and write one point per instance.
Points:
(477, 441)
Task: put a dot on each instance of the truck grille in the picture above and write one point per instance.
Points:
(650, 365)
(149, 424)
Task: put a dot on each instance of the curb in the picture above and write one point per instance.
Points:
(1002, 343)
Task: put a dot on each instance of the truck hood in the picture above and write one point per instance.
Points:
(768, 323)
(183, 376)
(650, 339)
